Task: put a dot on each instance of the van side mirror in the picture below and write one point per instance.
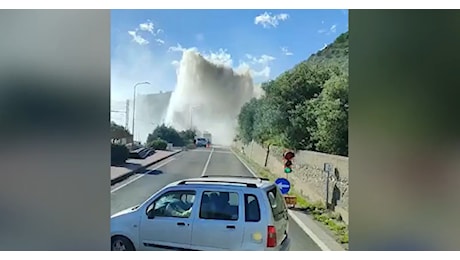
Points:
(151, 212)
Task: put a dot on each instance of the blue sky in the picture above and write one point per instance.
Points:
(146, 45)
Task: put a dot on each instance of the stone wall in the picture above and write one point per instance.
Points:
(308, 177)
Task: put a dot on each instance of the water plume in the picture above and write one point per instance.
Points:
(208, 97)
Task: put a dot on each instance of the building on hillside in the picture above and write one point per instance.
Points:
(121, 138)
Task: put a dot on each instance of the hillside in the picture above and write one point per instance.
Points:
(305, 107)
(337, 52)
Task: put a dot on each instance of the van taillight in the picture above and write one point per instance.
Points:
(271, 236)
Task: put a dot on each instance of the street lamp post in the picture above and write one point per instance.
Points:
(134, 103)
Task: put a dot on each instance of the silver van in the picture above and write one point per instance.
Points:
(206, 214)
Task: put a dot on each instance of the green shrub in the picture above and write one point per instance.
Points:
(158, 144)
(119, 154)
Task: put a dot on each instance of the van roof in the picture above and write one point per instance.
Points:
(249, 181)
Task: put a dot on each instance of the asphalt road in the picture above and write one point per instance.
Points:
(191, 164)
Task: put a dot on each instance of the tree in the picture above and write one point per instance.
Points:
(305, 107)
(158, 144)
(118, 131)
(167, 134)
(332, 117)
(246, 121)
(188, 136)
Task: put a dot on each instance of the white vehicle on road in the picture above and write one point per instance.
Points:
(206, 214)
(201, 142)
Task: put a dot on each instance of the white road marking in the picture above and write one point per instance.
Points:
(142, 175)
(309, 232)
(207, 163)
(245, 165)
(207, 151)
(304, 227)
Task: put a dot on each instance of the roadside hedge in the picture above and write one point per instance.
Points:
(119, 154)
(158, 144)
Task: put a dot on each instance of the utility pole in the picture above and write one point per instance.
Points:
(191, 124)
(127, 114)
(134, 103)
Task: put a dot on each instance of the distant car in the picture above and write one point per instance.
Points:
(206, 214)
(201, 142)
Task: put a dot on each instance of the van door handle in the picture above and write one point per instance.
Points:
(180, 223)
(231, 227)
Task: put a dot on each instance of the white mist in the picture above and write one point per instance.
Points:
(208, 97)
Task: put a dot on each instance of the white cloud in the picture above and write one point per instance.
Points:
(249, 65)
(221, 57)
(262, 60)
(139, 34)
(286, 51)
(257, 66)
(137, 38)
(160, 41)
(332, 29)
(267, 20)
(177, 48)
(147, 26)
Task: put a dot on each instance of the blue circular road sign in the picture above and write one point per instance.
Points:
(283, 184)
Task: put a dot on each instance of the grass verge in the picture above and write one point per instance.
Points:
(331, 220)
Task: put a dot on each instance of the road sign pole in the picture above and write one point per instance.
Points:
(328, 170)
(327, 189)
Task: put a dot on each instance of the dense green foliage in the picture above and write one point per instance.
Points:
(188, 136)
(118, 131)
(168, 134)
(119, 154)
(158, 144)
(171, 135)
(304, 108)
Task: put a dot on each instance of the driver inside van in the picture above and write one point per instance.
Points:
(176, 207)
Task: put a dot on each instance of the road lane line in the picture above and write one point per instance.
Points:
(245, 165)
(207, 151)
(142, 175)
(207, 162)
(309, 232)
(304, 227)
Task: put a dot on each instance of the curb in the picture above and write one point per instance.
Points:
(142, 168)
(302, 225)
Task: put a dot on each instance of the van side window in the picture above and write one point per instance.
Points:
(219, 205)
(176, 204)
(277, 203)
(251, 207)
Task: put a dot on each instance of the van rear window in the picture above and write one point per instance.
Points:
(277, 203)
(252, 209)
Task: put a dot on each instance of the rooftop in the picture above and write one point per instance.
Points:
(249, 181)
